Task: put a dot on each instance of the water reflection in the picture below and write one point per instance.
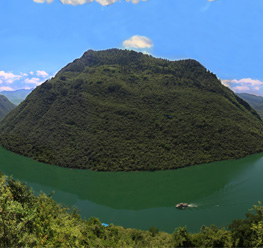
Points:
(219, 191)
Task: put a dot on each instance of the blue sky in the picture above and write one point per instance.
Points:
(39, 37)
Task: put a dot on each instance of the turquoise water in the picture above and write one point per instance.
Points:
(218, 192)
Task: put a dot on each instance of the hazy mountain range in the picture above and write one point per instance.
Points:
(17, 96)
(5, 106)
(255, 101)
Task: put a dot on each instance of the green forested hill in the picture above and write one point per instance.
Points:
(122, 110)
(255, 101)
(5, 106)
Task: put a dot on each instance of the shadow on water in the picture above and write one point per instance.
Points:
(133, 190)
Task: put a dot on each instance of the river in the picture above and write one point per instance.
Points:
(218, 192)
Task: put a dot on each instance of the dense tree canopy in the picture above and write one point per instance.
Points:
(37, 221)
(122, 110)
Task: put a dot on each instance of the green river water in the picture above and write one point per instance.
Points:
(218, 192)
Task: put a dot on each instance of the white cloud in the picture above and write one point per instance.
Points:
(42, 74)
(35, 81)
(8, 77)
(78, 2)
(102, 2)
(135, 1)
(6, 89)
(241, 89)
(250, 81)
(42, 1)
(106, 2)
(225, 82)
(138, 41)
(73, 2)
(248, 85)
(22, 79)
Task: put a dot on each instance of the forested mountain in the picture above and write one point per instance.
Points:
(122, 110)
(5, 106)
(255, 101)
(16, 96)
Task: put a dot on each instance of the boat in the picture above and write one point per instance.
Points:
(182, 205)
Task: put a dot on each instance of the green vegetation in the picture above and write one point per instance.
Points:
(32, 221)
(255, 101)
(122, 110)
(5, 106)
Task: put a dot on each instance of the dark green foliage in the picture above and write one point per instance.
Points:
(37, 221)
(181, 238)
(122, 110)
(153, 230)
(244, 230)
(20, 192)
(255, 101)
(5, 106)
(213, 237)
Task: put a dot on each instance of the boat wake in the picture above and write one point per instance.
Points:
(186, 205)
(193, 205)
(196, 206)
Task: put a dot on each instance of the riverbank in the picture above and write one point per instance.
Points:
(28, 220)
(136, 199)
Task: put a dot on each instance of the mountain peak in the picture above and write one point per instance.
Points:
(121, 57)
(122, 110)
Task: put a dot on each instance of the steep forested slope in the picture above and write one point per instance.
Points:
(255, 101)
(30, 221)
(122, 110)
(5, 106)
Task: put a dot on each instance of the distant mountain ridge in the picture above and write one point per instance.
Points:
(16, 96)
(255, 101)
(122, 110)
(5, 106)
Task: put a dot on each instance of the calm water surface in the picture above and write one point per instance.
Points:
(218, 192)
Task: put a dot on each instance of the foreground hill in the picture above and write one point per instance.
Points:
(121, 110)
(5, 106)
(255, 101)
(37, 221)
(16, 96)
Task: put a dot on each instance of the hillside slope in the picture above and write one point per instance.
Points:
(255, 101)
(121, 110)
(5, 106)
